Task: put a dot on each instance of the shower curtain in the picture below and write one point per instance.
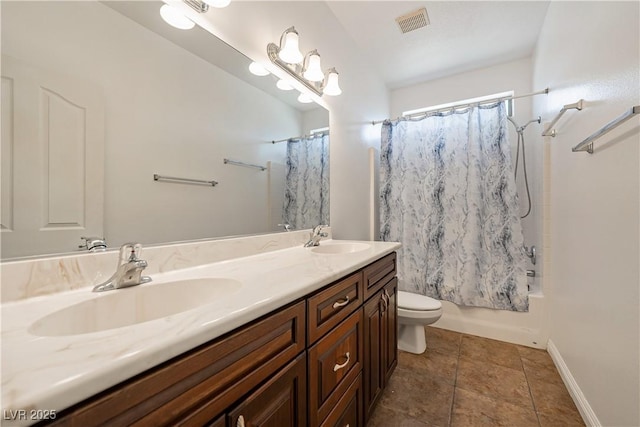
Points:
(448, 194)
(306, 197)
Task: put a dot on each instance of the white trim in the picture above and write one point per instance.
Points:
(588, 415)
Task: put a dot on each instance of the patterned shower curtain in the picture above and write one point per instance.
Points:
(448, 194)
(306, 196)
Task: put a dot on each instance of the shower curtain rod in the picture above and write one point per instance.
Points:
(312, 135)
(465, 105)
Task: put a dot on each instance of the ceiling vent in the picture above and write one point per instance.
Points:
(413, 20)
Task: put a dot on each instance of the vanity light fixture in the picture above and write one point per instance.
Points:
(312, 70)
(305, 69)
(289, 51)
(332, 88)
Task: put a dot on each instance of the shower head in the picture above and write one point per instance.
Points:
(539, 120)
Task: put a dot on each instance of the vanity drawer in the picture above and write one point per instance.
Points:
(334, 363)
(329, 307)
(349, 410)
(379, 273)
(198, 386)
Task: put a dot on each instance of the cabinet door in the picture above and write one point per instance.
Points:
(390, 324)
(374, 338)
(280, 402)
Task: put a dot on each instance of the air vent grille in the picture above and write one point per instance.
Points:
(413, 21)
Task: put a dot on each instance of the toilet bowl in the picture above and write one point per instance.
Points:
(414, 313)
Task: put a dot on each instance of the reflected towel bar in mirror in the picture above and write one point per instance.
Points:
(246, 165)
(157, 177)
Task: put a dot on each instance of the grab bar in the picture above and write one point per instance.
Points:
(157, 177)
(552, 132)
(587, 144)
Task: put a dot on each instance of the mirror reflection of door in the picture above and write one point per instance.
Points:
(53, 155)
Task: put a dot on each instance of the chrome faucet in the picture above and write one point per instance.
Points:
(316, 235)
(94, 244)
(129, 271)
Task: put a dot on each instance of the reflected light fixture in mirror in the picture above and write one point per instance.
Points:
(304, 98)
(258, 70)
(175, 18)
(218, 3)
(283, 85)
(305, 69)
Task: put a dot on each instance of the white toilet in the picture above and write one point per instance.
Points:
(414, 313)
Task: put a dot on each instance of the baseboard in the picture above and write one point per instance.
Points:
(578, 397)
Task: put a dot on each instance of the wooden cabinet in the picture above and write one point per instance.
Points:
(348, 411)
(197, 387)
(321, 361)
(281, 402)
(380, 342)
(334, 363)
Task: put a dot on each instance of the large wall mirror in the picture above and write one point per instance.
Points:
(98, 97)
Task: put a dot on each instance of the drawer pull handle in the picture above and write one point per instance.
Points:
(240, 422)
(342, 303)
(337, 366)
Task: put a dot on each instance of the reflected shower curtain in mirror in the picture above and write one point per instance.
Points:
(306, 194)
(448, 194)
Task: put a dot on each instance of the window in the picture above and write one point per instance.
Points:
(509, 104)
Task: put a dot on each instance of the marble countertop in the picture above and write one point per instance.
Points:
(53, 373)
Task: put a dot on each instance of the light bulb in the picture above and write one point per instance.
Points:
(283, 85)
(313, 71)
(304, 98)
(289, 49)
(175, 18)
(332, 88)
(217, 3)
(258, 69)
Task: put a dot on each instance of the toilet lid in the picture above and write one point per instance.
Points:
(410, 301)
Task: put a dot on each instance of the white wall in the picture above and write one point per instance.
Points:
(364, 95)
(590, 50)
(522, 328)
(167, 112)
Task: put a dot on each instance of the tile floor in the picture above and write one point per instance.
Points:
(464, 380)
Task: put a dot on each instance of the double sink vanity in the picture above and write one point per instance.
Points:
(286, 336)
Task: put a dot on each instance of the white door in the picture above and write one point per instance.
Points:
(52, 160)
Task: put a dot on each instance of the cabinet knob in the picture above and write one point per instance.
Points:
(342, 303)
(240, 422)
(337, 366)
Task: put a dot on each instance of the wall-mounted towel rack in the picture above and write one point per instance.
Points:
(246, 165)
(157, 177)
(550, 131)
(587, 144)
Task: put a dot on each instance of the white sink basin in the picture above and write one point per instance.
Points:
(340, 248)
(130, 306)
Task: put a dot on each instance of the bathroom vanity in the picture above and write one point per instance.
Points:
(321, 361)
(320, 355)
